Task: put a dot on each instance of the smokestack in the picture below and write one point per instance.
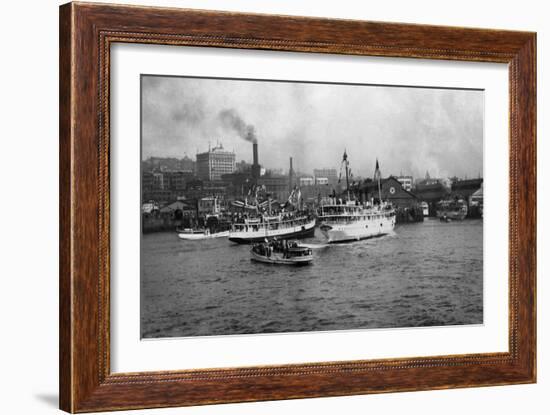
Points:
(255, 165)
(290, 176)
(255, 154)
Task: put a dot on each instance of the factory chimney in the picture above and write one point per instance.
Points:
(255, 165)
(255, 154)
(290, 176)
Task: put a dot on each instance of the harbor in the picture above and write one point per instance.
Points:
(355, 258)
(284, 207)
(427, 273)
(219, 197)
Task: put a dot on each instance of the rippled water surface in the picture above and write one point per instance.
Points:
(424, 274)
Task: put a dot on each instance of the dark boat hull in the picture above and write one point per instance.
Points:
(300, 234)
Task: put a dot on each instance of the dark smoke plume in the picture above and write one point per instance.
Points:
(231, 119)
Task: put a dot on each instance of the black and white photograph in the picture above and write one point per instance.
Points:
(283, 206)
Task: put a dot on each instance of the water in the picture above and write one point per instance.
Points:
(424, 274)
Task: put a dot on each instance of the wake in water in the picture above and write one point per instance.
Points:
(362, 241)
(315, 246)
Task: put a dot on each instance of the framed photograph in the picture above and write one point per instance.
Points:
(258, 207)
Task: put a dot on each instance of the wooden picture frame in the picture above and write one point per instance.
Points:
(86, 33)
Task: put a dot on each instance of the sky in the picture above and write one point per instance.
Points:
(409, 130)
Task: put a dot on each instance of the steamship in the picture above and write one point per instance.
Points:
(349, 220)
(270, 227)
(284, 225)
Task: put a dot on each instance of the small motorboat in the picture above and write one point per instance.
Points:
(197, 235)
(452, 209)
(281, 253)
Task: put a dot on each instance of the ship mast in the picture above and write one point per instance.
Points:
(379, 191)
(347, 172)
(377, 175)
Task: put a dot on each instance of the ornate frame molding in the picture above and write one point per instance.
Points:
(86, 34)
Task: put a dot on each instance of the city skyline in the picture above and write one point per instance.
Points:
(284, 171)
(410, 130)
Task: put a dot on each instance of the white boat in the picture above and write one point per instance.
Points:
(194, 235)
(259, 230)
(351, 222)
(281, 253)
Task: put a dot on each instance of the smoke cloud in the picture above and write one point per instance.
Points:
(409, 130)
(232, 120)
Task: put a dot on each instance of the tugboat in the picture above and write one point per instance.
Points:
(344, 221)
(281, 253)
(452, 209)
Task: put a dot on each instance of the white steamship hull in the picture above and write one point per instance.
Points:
(360, 229)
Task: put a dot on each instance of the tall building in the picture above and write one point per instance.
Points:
(187, 164)
(330, 174)
(215, 162)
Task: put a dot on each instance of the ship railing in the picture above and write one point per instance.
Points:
(357, 217)
(255, 227)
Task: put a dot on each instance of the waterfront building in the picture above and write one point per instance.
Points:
(208, 205)
(312, 194)
(239, 183)
(391, 190)
(169, 164)
(477, 196)
(216, 188)
(158, 181)
(158, 195)
(147, 181)
(475, 208)
(406, 182)
(176, 180)
(307, 181)
(330, 174)
(149, 207)
(165, 186)
(175, 209)
(212, 164)
(321, 181)
(431, 192)
(276, 186)
(466, 188)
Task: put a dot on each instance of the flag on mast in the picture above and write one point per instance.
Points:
(377, 171)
